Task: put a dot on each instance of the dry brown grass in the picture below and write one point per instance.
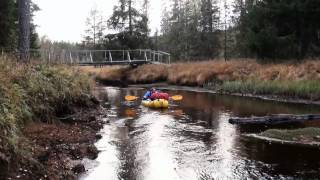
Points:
(309, 70)
(203, 72)
(108, 73)
(148, 74)
(200, 73)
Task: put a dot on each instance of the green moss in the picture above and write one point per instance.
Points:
(294, 135)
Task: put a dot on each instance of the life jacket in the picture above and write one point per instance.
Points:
(159, 95)
(147, 95)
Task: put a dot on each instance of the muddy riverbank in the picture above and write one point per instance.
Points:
(47, 120)
(56, 150)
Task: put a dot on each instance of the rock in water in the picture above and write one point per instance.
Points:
(79, 168)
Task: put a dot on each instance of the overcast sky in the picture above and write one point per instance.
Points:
(65, 19)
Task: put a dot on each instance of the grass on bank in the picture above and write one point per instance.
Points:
(235, 76)
(306, 89)
(109, 73)
(302, 135)
(36, 92)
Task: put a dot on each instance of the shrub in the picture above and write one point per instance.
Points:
(36, 92)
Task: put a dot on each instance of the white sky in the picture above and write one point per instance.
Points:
(65, 19)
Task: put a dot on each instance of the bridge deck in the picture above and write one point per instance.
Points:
(110, 63)
(104, 57)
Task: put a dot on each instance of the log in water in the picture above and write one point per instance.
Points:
(274, 119)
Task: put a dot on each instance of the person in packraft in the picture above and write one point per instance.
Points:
(154, 94)
(149, 93)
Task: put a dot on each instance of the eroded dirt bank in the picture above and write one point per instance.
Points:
(48, 120)
(55, 150)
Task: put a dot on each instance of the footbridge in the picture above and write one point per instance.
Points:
(104, 57)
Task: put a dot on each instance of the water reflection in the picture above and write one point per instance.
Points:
(225, 141)
(131, 113)
(161, 163)
(193, 140)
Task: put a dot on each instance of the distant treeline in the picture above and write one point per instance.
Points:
(278, 29)
(263, 29)
(207, 29)
(194, 29)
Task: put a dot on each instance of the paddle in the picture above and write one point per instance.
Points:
(133, 98)
(176, 97)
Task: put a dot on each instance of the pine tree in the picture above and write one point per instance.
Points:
(189, 28)
(132, 24)
(7, 24)
(209, 23)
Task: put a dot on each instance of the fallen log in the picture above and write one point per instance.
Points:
(274, 119)
(282, 142)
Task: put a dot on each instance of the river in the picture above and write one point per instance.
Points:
(193, 140)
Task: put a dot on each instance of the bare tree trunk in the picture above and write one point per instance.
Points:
(130, 18)
(225, 32)
(24, 29)
(94, 31)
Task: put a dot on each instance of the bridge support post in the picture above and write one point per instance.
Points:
(128, 54)
(91, 59)
(110, 56)
(70, 55)
(49, 56)
(145, 56)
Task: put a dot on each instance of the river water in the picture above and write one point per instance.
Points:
(193, 140)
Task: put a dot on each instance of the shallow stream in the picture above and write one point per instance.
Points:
(193, 140)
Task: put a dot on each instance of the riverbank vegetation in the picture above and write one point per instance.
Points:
(299, 135)
(291, 80)
(35, 92)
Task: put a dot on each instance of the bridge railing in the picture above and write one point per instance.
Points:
(102, 56)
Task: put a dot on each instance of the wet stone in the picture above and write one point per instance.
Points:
(98, 136)
(79, 168)
(106, 105)
(92, 118)
(4, 162)
(92, 152)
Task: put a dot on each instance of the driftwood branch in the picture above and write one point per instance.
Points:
(274, 119)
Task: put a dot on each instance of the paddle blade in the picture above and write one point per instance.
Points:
(131, 98)
(177, 98)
